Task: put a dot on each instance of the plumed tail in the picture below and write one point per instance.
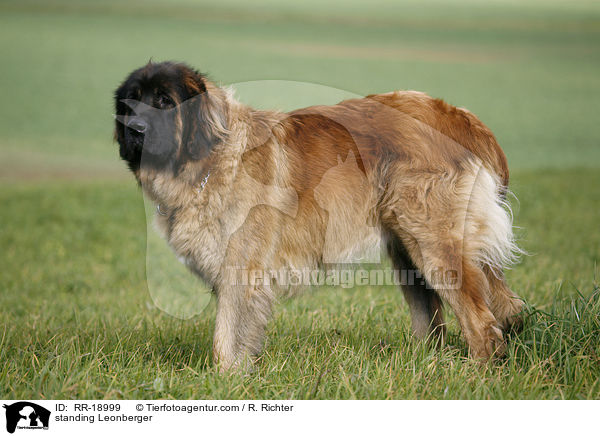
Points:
(489, 223)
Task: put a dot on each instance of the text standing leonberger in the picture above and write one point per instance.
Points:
(239, 189)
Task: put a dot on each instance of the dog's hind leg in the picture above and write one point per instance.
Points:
(425, 305)
(505, 304)
(452, 226)
(463, 285)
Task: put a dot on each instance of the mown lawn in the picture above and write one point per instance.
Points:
(76, 317)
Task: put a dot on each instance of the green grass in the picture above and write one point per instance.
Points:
(78, 320)
(76, 317)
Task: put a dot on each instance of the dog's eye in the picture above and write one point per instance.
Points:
(165, 101)
(134, 94)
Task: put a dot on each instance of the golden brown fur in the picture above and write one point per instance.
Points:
(320, 184)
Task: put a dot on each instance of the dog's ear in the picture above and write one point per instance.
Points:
(204, 116)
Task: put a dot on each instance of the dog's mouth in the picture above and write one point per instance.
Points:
(153, 146)
(134, 139)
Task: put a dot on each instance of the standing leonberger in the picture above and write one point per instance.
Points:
(240, 189)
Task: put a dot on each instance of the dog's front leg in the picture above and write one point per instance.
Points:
(243, 310)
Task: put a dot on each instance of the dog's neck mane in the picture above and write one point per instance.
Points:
(246, 127)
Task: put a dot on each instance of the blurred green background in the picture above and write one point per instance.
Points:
(73, 228)
(528, 69)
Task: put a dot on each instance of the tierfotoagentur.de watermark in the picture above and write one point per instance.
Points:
(345, 277)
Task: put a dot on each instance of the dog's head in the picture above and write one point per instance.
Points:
(167, 114)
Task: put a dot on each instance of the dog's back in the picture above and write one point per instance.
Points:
(394, 122)
(459, 124)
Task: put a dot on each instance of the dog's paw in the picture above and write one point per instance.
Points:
(490, 343)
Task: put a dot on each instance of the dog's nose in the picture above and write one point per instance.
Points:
(137, 124)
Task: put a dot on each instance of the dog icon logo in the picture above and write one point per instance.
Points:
(26, 415)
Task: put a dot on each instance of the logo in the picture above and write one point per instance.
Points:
(26, 415)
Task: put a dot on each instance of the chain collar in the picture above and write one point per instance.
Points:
(203, 182)
(200, 189)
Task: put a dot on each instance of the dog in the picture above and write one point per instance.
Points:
(245, 190)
